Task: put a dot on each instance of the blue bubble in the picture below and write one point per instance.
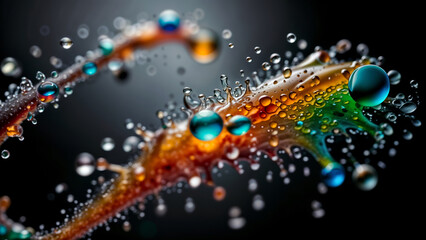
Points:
(333, 174)
(47, 91)
(90, 68)
(369, 85)
(169, 20)
(206, 125)
(239, 125)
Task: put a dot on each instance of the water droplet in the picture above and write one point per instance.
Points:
(364, 177)
(66, 42)
(414, 84)
(40, 76)
(26, 85)
(343, 46)
(231, 45)
(89, 68)
(219, 193)
(85, 164)
(275, 58)
(226, 34)
(131, 144)
(194, 181)
(161, 209)
(291, 38)
(54, 74)
(236, 223)
(169, 20)
(35, 51)
(10, 67)
(189, 206)
(47, 91)
(83, 31)
(126, 226)
(252, 185)
(258, 203)
(302, 44)
(266, 66)
(408, 107)
(333, 174)
(249, 59)
(206, 125)
(107, 144)
(238, 125)
(394, 77)
(407, 135)
(369, 85)
(5, 154)
(106, 45)
(287, 72)
(362, 49)
(257, 50)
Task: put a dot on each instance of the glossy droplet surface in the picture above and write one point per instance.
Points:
(333, 174)
(47, 91)
(89, 68)
(66, 42)
(238, 125)
(365, 177)
(169, 20)
(206, 125)
(106, 45)
(85, 164)
(369, 85)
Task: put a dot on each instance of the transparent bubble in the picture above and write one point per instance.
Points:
(107, 144)
(275, 58)
(35, 51)
(362, 49)
(302, 44)
(131, 143)
(226, 34)
(83, 31)
(85, 164)
(66, 42)
(394, 77)
(5, 154)
(408, 107)
(343, 46)
(10, 67)
(291, 38)
(257, 50)
(365, 177)
(266, 66)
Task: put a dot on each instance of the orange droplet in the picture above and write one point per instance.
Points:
(219, 193)
(265, 100)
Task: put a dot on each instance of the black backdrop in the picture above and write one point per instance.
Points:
(99, 107)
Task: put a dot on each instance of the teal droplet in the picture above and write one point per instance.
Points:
(169, 20)
(239, 125)
(206, 125)
(89, 68)
(369, 85)
(3, 230)
(333, 174)
(106, 45)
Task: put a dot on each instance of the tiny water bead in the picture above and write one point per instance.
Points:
(10, 67)
(394, 77)
(287, 72)
(238, 125)
(66, 42)
(206, 125)
(169, 20)
(291, 38)
(107, 144)
(47, 91)
(275, 58)
(90, 68)
(365, 177)
(5, 154)
(226, 34)
(257, 50)
(266, 66)
(85, 164)
(333, 174)
(106, 45)
(369, 85)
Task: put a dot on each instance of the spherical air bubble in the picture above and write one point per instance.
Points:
(369, 85)
(169, 20)
(333, 174)
(206, 125)
(239, 125)
(364, 177)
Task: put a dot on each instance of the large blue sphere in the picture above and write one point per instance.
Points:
(206, 125)
(333, 174)
(169, 20)
(238, 125)
(369, 85)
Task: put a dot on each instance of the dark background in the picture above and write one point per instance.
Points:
(98, 108)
